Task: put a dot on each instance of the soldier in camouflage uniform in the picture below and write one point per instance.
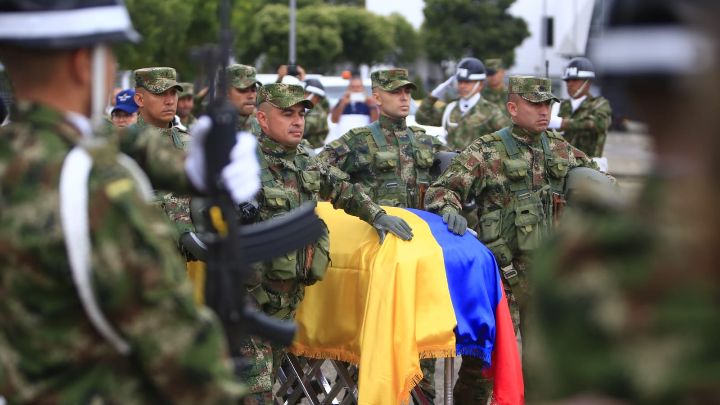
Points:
(584, 119)
(390, 159)
(495, 91)
(626, 296)
(104, 316)
(516, 176)
(156, 94)
(242, 93)
(291, 177)
(316, 121)
(468, 118)
(186, 104)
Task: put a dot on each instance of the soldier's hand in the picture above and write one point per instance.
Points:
(439, 91)
(456, 223)
(395, 225)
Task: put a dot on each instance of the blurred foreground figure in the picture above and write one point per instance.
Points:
(95, 306)
(627, 297)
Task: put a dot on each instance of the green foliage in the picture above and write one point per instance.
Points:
(169, 29)
(366, 37)
(300, 3)
(355, 3)
(405, 41)
(481, 28)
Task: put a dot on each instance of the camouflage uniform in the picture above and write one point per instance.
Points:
(188, 90)
(462, 129)
(516, 177)
(289, 178)
(496, 96)
(49, 350)
(241, 77)
(316, 125)
(177, 206)
(392, 164)
(587, 126)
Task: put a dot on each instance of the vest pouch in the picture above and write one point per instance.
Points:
(424, 158)
(283, 267)
(490, 226)
(528, 216)
(320, 259)
(360, 163)
(386, 161)
(501, 251)
(558, 167)
(391, 193)
(310, 181)
(276, 198)
(515, 169)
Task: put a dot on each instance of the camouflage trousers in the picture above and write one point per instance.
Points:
(472, 387)
(427, 384)
(263, 358)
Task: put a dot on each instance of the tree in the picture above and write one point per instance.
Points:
(481, 28)
(405, 41)
(366, 37)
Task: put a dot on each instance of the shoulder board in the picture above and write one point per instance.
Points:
(416, 129)
(551, 133)
(494, 137)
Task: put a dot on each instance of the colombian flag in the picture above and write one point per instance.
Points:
(384, 306)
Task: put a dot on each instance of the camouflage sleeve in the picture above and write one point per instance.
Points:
(578, 158)
(462, 178)
(499, 120)
(137, 272)
(165, 166)
(338, 154)
(597, 122)
(335, 187)
(428, 114)
(316, 128)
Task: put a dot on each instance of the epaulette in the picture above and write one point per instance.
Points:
(494, 137)
(416, 128)
(551, 133)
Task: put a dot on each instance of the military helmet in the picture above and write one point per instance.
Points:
(470, 69)
(314, 86)
(579, 68)
(64, 24)
(582, 182)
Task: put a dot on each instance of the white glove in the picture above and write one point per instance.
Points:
(241, 176)
(555, 122)
(439, 91)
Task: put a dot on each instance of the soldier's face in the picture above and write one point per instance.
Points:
(243, 99)
(157, 109)
(283, 125)
(497, 79)
(467, 88)
(531, 116)
(394, 104)
(574, 85)
(185, 106)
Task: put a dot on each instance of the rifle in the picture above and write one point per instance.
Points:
(227, 271)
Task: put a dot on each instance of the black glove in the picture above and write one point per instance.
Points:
(396, 225)
(457, 224)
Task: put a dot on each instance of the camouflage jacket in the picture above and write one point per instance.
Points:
(588, 126)
(188, 121)
(290, 178)
(176, 205)
(50, 353)
(396, 174)
(513, 189)
(634, 301)
(462, 129)
(497, 97)
(316, 126)
(248, 123)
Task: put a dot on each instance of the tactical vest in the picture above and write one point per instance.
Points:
(519, 227)
(307, 265)
(387, 186)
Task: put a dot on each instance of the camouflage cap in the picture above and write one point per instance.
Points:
(187, 90)
(242, 76)
(391, 79)
(282, 95)
(532, 89)
(157, 79)
(493, 65)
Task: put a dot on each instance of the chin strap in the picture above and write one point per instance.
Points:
(581, 89)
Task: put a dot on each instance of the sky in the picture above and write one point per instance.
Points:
(410, 9)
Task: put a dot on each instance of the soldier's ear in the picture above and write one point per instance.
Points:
(376, 96)
(138, 98)
(512, 108)
(80, 61)
(261, 117)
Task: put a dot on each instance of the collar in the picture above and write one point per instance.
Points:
(142, 123)
(575, 102)
(392, 125)
(81, 123)
(467, 104)
(525, 136)
(271, 147)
